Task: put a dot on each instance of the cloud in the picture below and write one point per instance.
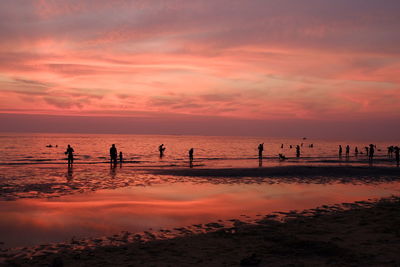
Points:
(261, 59)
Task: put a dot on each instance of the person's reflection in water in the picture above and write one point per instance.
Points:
(113, 170)
(260, 162)
(70, 173)
(191, 157)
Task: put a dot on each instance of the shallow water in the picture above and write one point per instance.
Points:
(106, 212)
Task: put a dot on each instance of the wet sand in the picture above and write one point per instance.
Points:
(365, 233)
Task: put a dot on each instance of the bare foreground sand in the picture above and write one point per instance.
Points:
(365, 233)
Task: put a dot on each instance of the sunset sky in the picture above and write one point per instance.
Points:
(202, 67)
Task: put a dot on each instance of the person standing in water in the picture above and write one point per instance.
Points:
(371, 152)
(113, 154)
(340, 151)
(191, 157)
(397, 155)
(347, 151)
(260, 151)
(70, 153)
(161, 149)
(121, 158)
(356, 151)
(298, 151)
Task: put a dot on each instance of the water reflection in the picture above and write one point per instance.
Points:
(70, 172)
(113, 170)
(34, 221)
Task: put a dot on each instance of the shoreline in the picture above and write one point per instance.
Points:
(347, 234)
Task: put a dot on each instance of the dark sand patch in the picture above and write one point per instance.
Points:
(282, 171)
(365, 233)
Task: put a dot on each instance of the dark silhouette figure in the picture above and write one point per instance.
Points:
(340, 151)
(191, 157)
(396, 150)
(260, 150)
(290, 146)
(70, 155)
(161, 149)
(298, 151)
(347, 151)
(113, 154)
(371, 152)
(366, 150)
(121, 158)
(311, 145)
(282, 146)
(356, 151)
(390, 151)
(282, 157)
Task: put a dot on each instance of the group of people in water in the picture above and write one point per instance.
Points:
(369, 150)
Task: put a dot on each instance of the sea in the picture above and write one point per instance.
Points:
(43, 200)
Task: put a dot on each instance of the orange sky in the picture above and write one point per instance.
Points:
(262, 60)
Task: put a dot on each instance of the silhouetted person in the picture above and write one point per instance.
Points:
(371, 152)
(161, 149)
(347, 151)
(260, 150)
(366, 150)
(356, 151)
(290, 146)
(70, 155)
(390, 151)
(121, 158)
(191, 157)
(113, 154)
(282, 146)
(397, 155)
(340, 151)
(298, 151)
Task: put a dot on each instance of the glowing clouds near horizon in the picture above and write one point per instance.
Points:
(260, 59)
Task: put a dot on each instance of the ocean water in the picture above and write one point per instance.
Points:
(142, 150)
(43, 200)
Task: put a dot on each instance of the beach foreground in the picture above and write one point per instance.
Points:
(364, 233)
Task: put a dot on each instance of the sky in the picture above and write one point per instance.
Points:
(219, 67)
